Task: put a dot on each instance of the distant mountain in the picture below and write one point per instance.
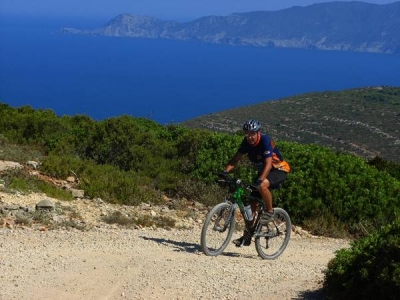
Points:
(363, 121)
(348, 26)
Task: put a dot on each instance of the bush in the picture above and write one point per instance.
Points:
(104, 181)
(119, 218)
(206, 193)
(213, 155)
(19, 153)
(370, 269)
(386, 166)
(20, 180)
(324, 182)
(116, 186)
(25, 125)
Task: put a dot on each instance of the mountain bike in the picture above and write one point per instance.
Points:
(271, 237)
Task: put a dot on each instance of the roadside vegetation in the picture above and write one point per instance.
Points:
(370, 269)
(126, 160)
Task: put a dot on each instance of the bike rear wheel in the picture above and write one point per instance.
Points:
(272, 238)
(218, 229)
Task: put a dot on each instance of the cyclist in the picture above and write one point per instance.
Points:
(269, 163)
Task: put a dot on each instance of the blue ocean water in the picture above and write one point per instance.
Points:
(167, 81)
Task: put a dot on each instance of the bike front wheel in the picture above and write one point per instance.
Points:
(218, 229)
(272, 238)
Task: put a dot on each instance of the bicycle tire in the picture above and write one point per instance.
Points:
(272, 239)
(214, 240)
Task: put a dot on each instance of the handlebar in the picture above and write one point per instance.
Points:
(251, 187)
(238, 182)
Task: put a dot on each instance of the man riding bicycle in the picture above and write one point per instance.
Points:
(269, 163)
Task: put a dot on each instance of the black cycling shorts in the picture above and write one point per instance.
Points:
(275, 177)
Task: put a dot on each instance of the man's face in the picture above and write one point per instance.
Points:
(252, 137)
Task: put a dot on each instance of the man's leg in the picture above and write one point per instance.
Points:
(266, 195)
(274, 178)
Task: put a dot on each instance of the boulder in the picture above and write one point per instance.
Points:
(6, 165)
(45, 204)
(71, 179)
(32, 164)
(77, 193)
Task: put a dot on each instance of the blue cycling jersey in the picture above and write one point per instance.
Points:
(257, 154)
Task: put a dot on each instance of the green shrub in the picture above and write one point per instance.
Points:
(386, 166)
(324, 182)
(206, 193)
(42, 217)
(70, 223)
(116, 186)
(25, 125)
(213, 155)
(326, 225)
(62, 166)
(19, 153)
(118, 218)
(23, 219)
(370, 269)
(105, 181)
(142, 220)
(160, 221)
(20, 180)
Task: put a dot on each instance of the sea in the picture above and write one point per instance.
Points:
(164, 80)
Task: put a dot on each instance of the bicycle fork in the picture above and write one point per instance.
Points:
(231, 215)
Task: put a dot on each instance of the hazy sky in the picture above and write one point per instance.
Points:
(164, 9)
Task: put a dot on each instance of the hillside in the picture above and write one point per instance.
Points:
(364, 121)
(348, 26)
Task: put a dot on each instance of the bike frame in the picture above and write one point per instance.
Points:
(240, 196)
(238, 202)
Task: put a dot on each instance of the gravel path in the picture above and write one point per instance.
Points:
(106, 263)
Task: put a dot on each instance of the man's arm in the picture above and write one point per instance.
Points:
(267, 168)
(233, 161)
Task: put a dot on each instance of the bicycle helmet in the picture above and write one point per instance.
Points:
(252, 125)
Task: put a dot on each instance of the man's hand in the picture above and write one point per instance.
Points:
(258, 183)
(223, 175)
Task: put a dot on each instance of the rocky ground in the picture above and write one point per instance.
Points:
(97, 260)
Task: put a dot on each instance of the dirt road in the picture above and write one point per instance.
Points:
(109, 263)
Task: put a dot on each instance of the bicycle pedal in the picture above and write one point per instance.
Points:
(238, 243)
(218, 228)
